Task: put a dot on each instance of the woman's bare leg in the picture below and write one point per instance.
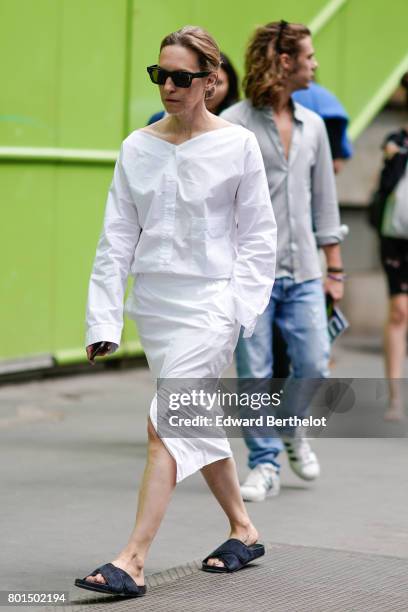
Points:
(395, 344)
(222, 478)
(159, 480)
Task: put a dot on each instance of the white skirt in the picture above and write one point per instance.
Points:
(188, 330)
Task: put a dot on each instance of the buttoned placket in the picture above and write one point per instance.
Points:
(286, 163)
(294, 147)
(169, 210)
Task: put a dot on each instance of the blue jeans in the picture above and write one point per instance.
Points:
(300, 312)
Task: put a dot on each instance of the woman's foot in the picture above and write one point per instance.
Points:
(132, 567)
(395, 412)
(248, 535)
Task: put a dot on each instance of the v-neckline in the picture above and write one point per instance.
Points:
(172, 144)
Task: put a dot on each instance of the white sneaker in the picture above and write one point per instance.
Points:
(302, 459)
(262, 481)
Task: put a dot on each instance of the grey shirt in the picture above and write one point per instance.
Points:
(302, 188)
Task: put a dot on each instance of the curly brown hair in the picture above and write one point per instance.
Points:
(264, 74)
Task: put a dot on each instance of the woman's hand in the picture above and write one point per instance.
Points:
(98, 349)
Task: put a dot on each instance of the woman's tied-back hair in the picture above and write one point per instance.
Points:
(264, 74)
(198, 40)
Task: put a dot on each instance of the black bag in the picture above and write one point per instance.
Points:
(376, 209)
(391, 173)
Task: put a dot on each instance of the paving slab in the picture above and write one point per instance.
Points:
(290, 578)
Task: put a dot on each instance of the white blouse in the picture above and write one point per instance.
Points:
(201, 208)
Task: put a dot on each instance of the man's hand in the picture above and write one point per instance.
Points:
(335, 288)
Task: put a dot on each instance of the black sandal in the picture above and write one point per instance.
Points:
(234, 554)
(118, 582)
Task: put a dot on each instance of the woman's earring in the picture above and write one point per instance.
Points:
(209, 93)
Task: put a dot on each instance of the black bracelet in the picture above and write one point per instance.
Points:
(339, 279)
(335, 270)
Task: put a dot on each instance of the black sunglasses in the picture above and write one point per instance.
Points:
(180, 78)
(278, 44)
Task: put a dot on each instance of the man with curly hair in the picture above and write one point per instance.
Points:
(293, 140)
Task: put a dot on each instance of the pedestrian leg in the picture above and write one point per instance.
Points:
(395, 341)
(158, 483)
(222, 478)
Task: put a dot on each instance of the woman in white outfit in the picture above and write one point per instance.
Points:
(189, 216)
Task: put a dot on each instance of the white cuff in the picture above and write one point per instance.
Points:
(104, 333)
(247, 315)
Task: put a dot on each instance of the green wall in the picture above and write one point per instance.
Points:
(75, 84)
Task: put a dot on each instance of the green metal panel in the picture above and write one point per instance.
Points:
(80, 197)
(363, 52)
(68, 91)
(27, 259)
(75, 84)
(29, 39)
(92, 71)
(377, 43)
(329, 45)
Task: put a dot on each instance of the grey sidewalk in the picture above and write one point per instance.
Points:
(71, 457)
